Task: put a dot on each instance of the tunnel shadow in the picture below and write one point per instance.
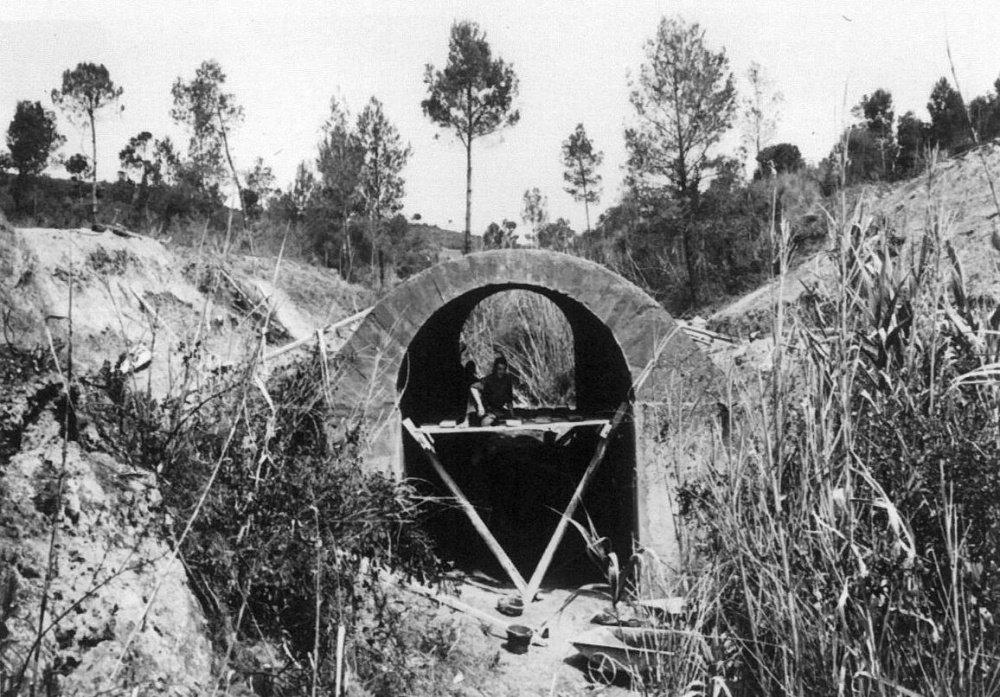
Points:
(521, 481)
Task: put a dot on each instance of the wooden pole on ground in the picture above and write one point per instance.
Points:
(595, 461)
(467, 507)
(498, 624)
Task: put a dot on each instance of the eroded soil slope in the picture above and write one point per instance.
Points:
(92, 599)
(134, 294)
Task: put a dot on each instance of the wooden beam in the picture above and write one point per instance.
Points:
(357, 317)
(552, 426)
(595, 461)
(470, 511)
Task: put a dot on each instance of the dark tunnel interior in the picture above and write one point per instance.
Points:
(521, 481)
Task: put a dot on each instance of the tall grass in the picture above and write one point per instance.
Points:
(535, 337)
(847, 530)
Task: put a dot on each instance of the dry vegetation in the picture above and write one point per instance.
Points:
(285, 540)
(535, 338)
(844, 539)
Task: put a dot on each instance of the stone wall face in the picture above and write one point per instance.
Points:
(618, 331)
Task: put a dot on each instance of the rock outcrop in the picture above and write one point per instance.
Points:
(87, 577)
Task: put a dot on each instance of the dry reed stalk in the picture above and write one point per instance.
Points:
(796, 520)
(535, 338)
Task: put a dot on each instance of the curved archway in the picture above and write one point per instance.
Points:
(405, 361)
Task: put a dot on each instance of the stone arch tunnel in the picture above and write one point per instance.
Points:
(404, 361)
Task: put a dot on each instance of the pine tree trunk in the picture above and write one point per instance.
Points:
(376, 251)
(18, 191)
(93, 173)
(236, 179)
(690, 261)
(468, 195)
(690, 256)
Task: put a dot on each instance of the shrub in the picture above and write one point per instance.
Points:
(288, 535)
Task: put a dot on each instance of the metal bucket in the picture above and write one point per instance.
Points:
(518, 638)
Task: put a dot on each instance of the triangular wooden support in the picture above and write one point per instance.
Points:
(529, 589)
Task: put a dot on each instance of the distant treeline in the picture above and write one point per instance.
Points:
(692, 225)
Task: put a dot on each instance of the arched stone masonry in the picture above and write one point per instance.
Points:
(405, 358)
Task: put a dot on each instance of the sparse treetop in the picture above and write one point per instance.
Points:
(473, 96)
(86, 90)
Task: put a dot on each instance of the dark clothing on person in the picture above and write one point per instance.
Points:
(497, 393)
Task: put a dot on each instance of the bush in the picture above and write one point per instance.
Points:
(288, 536)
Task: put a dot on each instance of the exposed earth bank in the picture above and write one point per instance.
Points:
(92, 598)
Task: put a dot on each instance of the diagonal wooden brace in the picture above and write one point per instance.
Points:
(477, 522)
(602, 446)
(595, 461)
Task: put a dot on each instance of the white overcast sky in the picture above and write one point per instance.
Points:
(285, 59)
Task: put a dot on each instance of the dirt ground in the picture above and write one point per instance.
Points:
(555, 669)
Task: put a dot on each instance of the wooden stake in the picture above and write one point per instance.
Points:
(595, 461)
(467, 507)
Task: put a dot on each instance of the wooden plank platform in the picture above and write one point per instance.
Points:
(436, 428)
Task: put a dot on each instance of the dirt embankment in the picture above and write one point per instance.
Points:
(92, 600)
(955, 199)
(132, 295)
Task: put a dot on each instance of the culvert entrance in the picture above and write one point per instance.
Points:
(404, 362)
(520, 477)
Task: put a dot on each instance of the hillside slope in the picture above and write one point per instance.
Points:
(92, 598)
(954, 197)
(133, 294)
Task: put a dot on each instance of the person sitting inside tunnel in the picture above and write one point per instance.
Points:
(494, 394)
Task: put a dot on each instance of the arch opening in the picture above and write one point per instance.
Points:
(520, 481)
(532, 333)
